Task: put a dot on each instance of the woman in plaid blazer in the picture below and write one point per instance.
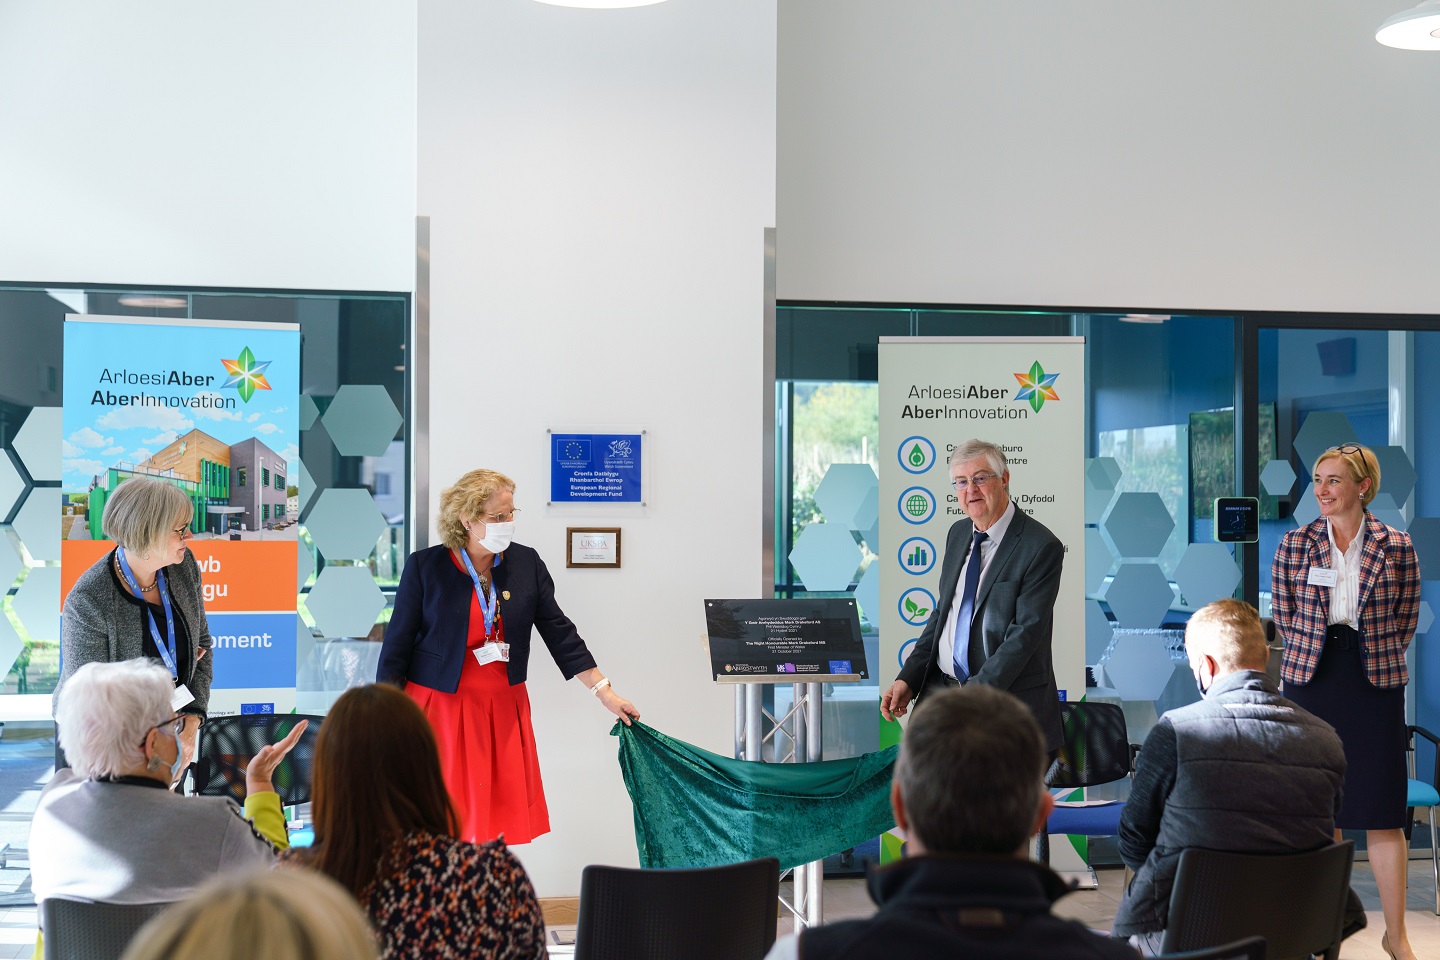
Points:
(1346, 597)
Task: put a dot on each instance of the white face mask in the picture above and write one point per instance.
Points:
(498, 536)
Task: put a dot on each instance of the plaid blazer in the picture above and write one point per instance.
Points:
(1389, 601)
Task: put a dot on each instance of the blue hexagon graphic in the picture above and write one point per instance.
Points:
(1139, 666)
(345, 601)
(38, 523)
(362, 420)
(843, 491)
(1385, 510)
(1098, 562)
(1139, 524)
(37, 604)
(1397, 473)
(1321, 430)
(1307, 508)
(308, 411)
(1139, 596)
(825, 557)
(11, 485)
(1425, 535)
(1206, 572)
(10, 565)
(1102, 473)
(304, 565)
(1099, 631)
(867, 594)
(1097, 501)
(346, 524)
(1180, 691)
(304, 482)
(1427, 617)
(11, 646)
(1278, 478)
(872, 536)
(38, 443)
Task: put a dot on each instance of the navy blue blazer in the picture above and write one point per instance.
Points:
(425, 640)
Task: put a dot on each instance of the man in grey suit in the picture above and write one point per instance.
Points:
(995, 614)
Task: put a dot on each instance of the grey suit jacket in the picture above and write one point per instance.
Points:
(1014, 618)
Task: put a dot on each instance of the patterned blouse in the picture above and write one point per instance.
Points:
(443, 899)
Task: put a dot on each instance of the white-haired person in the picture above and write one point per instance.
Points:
(275, 914)
(109, 829)
(144, 599)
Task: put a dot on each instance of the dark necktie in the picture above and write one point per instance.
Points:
(967, 609)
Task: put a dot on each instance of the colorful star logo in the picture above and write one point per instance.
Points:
(1037, 386)
(246, 374)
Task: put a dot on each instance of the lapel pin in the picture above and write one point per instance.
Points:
(505, 594)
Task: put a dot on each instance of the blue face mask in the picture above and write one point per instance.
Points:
(179, 763)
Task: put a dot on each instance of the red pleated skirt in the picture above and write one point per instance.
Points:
(487, 746)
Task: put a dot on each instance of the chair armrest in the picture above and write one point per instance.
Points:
(1414, 731)
(1134, 755)
(1424, 733)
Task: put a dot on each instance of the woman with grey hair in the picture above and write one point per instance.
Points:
(108, 829)
(144, 599)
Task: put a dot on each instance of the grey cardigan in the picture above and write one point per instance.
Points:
(102, 623)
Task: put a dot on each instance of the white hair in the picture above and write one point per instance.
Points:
(106, 711)
(142, 512)
(973, 448)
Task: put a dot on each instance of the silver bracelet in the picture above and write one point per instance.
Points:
(604, 682)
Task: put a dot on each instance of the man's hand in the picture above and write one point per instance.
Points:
(896, 700)
(263, 764)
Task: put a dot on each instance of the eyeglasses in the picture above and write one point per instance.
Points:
(175, 723)
(183, 531)
(1347, 448)
(979, 480)
(499, 517)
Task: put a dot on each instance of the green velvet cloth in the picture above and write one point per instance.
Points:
(694, 808)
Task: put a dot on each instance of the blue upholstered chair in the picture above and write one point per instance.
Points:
(1096, 750)
(1422, 794)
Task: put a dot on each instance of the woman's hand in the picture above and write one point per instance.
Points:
(263, 764)
(619, 706)
(188, 739)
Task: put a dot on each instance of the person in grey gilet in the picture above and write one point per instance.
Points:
(1291, 762)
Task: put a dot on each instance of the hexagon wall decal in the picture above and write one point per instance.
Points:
(37, 603)
(38, 523)
(1206, 572)
(1425, 535)
(825, 557)
(1098, 561)
(304, 565)
(1278, 478)
(1397, 473)
(362, 420)
(10, 565)
(38, 443)
(867, 594)
(11, 646)
(1099, 631)
(1139, 524)
(345, 601)
(1307, 508)
(1102, 473)
(1139, 596)
(304, 482)
(1385, 510)
(842, 492)
(346, 524)
(1139, 665)
(1427, 617)
(1321, 430)
(11, 485)
(308, 411)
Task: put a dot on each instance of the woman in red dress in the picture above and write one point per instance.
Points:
(459, 643)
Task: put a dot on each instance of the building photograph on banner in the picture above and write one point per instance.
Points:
(1027, 397)
(211, 407)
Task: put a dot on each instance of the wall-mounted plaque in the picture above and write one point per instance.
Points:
(592, 547)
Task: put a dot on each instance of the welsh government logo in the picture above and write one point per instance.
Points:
(621, 448)
(246, 374)
(1037, 386)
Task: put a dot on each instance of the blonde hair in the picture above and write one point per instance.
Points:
(466, 501)
(1230, 631)
(293, 914)
(142, 513)
(1360, 462)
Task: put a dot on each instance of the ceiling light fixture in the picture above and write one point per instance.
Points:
(601, 4)
(1145, 318)
(154, 303)
(1415, 29)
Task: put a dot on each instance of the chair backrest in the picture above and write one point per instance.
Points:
(1296, 901)
(1251, 948)
(228, 743)
(1096, 748)
(712, 913)
(85, 930)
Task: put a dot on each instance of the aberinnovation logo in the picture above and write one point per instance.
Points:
(246, 374)
(1037, 386)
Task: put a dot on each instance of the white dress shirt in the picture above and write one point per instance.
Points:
(1345, 595)
(988, 549)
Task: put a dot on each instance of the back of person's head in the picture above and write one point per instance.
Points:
(971, 772)
(377, 779)
(274, 914)
(1230, 631)
(105, 712)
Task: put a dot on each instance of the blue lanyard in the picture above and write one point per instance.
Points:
(488, 609)
(168, 655)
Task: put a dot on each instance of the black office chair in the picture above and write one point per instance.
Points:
(227, 744)
(1096, 750)
(86, 930)
(711, 913)
(1221, 897)
(1251, 948)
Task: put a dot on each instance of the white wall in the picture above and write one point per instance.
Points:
(266, 144)
(599, 183)
(1227, 154)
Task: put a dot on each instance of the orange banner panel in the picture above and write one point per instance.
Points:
(236, 574)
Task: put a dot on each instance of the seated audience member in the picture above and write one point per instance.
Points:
(109, 829)
(969, 794)
(1184, 794)
(270, 914)
(385, 830)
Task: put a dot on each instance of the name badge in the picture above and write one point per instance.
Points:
(491, 652)
(182, 697)
(1322, 577)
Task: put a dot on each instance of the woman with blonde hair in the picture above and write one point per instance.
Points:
(1345, 593)
(458, 641)
(277, 915)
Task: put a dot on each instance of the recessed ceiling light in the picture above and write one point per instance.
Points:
(1145, 318)
(155, 303)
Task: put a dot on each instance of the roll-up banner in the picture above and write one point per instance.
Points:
(211, 406)
(1027, 396)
